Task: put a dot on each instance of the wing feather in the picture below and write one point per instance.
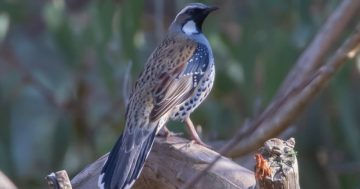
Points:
(179, 83)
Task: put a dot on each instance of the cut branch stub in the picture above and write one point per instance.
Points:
(277, 165)
(58, 180)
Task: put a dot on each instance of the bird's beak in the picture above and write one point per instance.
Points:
(212, 8)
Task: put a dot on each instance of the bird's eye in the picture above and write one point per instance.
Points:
(193, 10)
(190, 11)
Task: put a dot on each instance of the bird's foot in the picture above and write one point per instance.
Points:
(200, 142)
(187, 144)
(175, 134)
(165, 132)
(191, 142)
(192, 131)
(169, 134)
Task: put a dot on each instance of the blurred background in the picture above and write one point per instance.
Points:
(63, 66)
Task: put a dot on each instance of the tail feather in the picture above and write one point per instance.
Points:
(123, 166)
(143, 155)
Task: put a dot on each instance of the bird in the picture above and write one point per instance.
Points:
(177, 77)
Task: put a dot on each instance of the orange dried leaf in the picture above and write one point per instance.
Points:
(262, 168)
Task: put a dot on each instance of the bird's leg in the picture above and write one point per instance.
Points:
(165, 132)
(192, 131)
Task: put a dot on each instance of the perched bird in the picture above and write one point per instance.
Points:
(177, 77)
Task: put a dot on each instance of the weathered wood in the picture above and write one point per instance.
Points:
(279, 168)
(171, 163)
(58, 180)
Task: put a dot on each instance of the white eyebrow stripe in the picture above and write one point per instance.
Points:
(194, 5)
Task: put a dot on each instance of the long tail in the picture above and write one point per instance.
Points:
(123, 166)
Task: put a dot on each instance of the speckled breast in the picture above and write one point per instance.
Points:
(201, 92)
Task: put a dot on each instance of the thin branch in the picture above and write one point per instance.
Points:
(312, 57)
(28, 78)
(285, 110)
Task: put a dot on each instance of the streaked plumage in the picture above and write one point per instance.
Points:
(177, 77)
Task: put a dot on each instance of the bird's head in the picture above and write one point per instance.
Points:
(190, 19)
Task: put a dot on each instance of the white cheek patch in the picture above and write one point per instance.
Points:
(190, 28)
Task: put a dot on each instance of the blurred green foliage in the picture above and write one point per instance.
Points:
(63, 62)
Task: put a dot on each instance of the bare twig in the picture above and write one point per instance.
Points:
(28, 78)
(312, 57)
